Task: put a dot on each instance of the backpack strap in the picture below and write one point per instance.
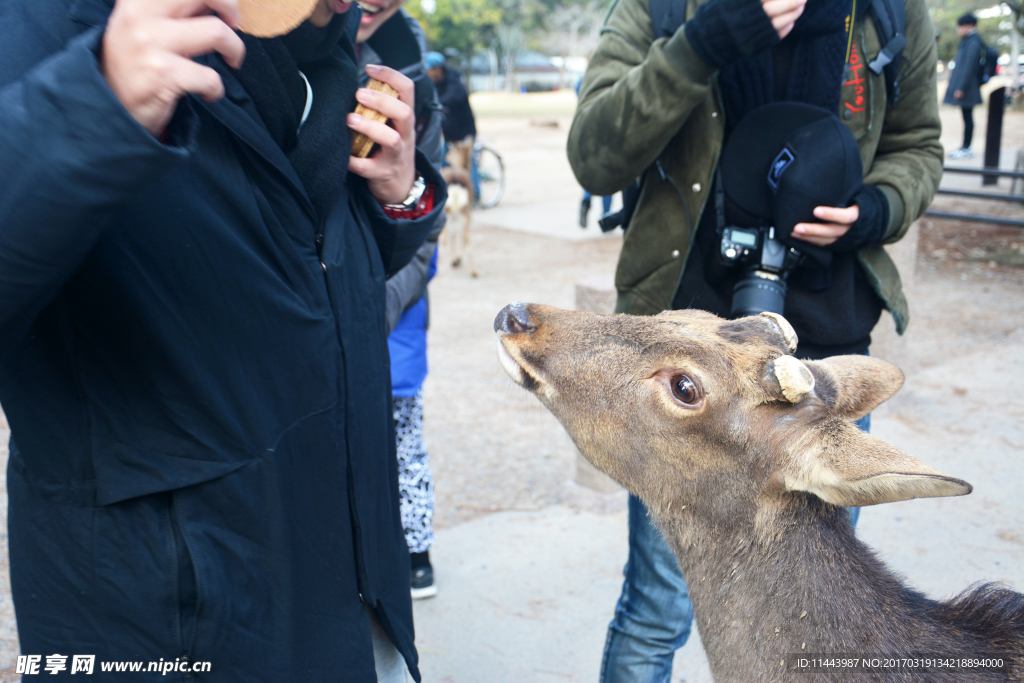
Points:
(891, 21)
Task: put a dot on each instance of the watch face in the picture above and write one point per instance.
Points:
(418, 188)
(416, 192)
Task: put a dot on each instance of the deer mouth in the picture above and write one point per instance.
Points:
(511, 323)
(517, 372)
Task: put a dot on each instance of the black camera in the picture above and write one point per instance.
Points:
(766, 264)
(780, 162)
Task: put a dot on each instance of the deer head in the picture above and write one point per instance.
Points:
(685, 406)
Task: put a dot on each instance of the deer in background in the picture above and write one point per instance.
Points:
(744, 456)
(459, 207)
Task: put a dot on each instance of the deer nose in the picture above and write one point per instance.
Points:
(514, 319)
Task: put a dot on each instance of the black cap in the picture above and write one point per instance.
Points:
(967, 19)
(783, 160)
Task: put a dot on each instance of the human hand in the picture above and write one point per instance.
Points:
(147, 51)
(391, 170)
(839, 222)
(958, 95)
(783, 14)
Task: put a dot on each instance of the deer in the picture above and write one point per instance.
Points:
(745, 457)
(459, 207)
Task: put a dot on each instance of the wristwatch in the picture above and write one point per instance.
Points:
(418, 187)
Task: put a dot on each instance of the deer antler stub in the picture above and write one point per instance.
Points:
(788, 333)
(795, 380)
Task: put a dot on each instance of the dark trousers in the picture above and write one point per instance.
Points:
(968, 125)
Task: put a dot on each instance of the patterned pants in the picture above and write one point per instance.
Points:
(415, 482)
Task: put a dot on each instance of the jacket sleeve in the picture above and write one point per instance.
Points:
(636, 95)
(907, 165)
(399, 238)
(70, 157)
(430, 139)
(408, 285)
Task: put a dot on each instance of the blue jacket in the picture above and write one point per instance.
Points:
(407, 345)
(196, 378)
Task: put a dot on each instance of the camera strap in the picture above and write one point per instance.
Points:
(719, 199)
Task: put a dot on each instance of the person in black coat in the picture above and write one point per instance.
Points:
(388, 35)
(394, 38)
(459, 124)
(192, 340)
(964, 88)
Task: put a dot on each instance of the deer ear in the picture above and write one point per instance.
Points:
(853, 385)
(845, 466)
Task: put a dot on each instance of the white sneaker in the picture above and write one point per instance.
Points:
(962, 153)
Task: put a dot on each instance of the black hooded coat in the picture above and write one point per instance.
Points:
(195, 372)
(966, 75)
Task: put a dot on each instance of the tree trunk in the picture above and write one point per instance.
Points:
(1017, 100)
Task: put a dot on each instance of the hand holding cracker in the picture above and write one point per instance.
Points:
(391, 170)
(361, 145)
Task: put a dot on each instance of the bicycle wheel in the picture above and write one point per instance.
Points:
(491, 171)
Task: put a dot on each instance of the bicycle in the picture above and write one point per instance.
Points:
(488, 171)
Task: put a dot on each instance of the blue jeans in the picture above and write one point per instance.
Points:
(474, 173)
(654, 615)
(606, 202)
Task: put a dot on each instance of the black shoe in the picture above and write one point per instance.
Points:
(423, 583)
(584, 210)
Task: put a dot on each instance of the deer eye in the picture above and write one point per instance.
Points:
(685, 389)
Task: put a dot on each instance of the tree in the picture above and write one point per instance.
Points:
(466, 26)
(1015, 30)
(567, 21)
(991, 24)
(510, 44)
(1017, 13)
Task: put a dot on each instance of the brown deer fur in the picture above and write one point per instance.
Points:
(745, 486)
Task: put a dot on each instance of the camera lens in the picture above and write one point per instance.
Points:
(756, 292)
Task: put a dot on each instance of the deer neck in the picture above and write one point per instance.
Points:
(763, 588)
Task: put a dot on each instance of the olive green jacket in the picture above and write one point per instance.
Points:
(645, 100)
